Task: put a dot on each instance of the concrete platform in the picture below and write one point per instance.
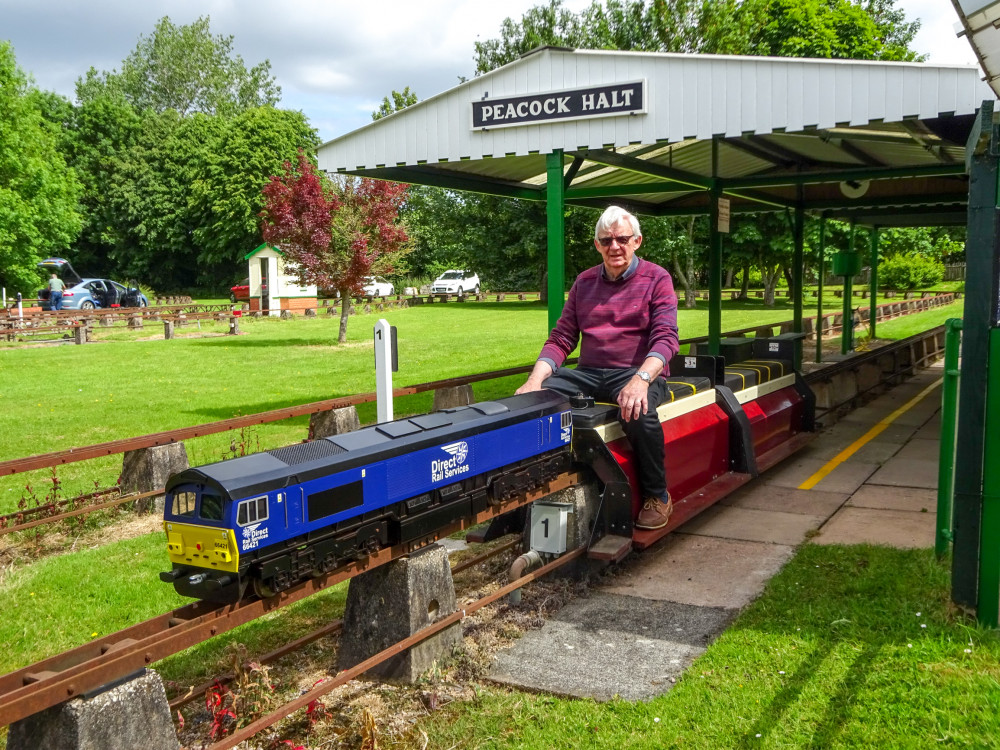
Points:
(895, 498)
(893, 528)
(907, 472)
(702, 571)
(774, 527)
(846, 478)
(786, 499)
(608, 645)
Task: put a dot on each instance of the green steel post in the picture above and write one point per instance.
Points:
(714, 277)
(714, 258)
(819, 294)
(988, 608)
(982, 258)
(555, 209)
(847, 324)
(873, 285)
(798, 230)
(949, 423)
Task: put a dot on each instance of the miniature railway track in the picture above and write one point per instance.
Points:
(73, 673)
(327, 630)
(349, 674)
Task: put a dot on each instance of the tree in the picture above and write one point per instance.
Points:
(400, 100)
(102, 131)
(225, 198)
(186, 69)
(334, 233)
(38, 192)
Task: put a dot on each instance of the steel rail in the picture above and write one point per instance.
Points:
(349, 674)
(78, 512)
(329, 629)
(53, 505)
(58, 678)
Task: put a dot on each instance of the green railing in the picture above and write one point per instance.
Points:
(949, 421)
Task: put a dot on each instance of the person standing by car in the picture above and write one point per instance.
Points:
(625, 312)
(56, 287)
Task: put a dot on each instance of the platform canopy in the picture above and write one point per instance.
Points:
(660, 130)
(978, 22)
(878, 143)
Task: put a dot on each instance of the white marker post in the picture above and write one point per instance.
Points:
(385, 364)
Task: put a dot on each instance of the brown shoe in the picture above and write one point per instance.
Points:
(655, 514)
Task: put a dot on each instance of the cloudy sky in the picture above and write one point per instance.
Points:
(334, 60)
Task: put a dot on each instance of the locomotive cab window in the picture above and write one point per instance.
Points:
(184, 503)
(211, 506)
(252, 511)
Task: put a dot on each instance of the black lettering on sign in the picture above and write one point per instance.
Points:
(596, 101)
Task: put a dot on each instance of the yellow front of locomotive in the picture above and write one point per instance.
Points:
(205, 558)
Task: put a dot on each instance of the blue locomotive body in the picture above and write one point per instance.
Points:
(273, 518)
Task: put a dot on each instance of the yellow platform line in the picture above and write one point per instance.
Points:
(874, 432)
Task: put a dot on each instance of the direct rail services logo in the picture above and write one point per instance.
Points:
(446, 468)
(253, 536)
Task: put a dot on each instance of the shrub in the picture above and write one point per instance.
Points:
(909, 272)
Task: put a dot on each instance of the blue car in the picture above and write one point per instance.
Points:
(90, 293)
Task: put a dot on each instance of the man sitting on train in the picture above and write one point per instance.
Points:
(625, 312)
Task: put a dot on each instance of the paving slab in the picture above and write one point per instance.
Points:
(700, 570)
(907, 472)
(874, 451)
(916, 416)
(931, 430)
(846, 432)
(891, 528)
(609, 645)
(749, 525)
(787, 499)
(921, 449)
(911, 499)
(845, 478)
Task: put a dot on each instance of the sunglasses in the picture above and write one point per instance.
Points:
(621, 240)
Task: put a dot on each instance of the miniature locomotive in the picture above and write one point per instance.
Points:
(274, 518)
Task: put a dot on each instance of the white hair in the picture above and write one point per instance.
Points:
(611, 216)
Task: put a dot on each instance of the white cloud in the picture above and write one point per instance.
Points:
(335, 60)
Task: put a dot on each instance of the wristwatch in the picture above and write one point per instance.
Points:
(643, 376)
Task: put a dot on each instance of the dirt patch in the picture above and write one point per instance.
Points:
(26, 547)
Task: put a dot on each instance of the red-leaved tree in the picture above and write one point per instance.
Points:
(335, 233)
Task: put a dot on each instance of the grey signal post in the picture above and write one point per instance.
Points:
(386, 363)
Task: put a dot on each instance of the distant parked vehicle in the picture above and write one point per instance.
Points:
(456, 282)
(242, 290)
(376, 286)
(89, 293)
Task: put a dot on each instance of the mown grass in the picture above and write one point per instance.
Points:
(848, 647)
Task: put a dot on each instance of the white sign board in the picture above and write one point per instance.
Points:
(724, 215)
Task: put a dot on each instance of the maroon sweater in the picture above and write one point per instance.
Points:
(621, 322)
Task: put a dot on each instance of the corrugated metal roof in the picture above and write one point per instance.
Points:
(768, 117)
(978, 22)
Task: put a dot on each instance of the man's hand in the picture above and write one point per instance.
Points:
(537, 377)
(633, 399)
